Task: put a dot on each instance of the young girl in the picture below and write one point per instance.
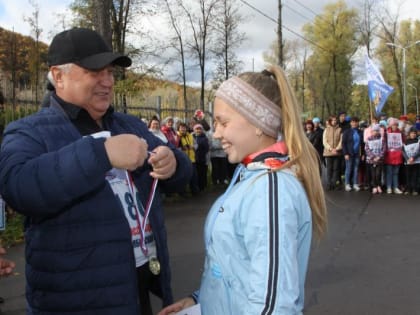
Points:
(331, 139)
(393, 156)
(258, 234)
(411, 152)
(375, 150)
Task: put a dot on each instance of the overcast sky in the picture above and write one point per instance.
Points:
(260, 30)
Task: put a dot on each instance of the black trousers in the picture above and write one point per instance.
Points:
(202, 175)
(218, 170)
(412, 172)
(147, 282)
(375, 175)
(333, 170)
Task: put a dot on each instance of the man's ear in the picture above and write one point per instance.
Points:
(57, 75)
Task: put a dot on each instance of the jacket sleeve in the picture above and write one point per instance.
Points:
(340, 142)
(324, 140)
(37, 180)
(346, 142)
(272, 238)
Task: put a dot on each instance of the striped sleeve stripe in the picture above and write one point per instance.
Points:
(273, 269)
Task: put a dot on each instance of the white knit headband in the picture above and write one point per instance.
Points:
(250, 103)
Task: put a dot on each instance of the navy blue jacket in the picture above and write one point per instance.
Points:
(347, 143)
(79, 254)
(202, 148)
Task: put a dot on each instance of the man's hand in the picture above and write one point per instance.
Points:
(126, 151)
(163, 162)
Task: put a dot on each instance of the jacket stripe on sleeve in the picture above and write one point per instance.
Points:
(274, 244)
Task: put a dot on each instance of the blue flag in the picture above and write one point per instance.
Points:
(378, 89)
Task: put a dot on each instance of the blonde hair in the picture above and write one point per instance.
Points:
(273, 84)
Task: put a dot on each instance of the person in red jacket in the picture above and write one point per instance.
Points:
(393, 156)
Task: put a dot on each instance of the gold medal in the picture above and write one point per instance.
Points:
(154, 266)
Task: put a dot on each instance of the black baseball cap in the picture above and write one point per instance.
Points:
(85, 48)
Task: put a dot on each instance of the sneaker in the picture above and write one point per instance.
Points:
(379, 190)
(374, 191)
(348, 187)
(389, 191)
(397, 191)
(406, 192)
(356, 187)
(415, 193)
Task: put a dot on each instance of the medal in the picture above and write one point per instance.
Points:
(154, 266)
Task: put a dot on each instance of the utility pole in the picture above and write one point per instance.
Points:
(280, 37)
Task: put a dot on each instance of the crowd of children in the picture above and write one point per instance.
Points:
(382, 156)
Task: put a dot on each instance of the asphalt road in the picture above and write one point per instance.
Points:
(368, 264)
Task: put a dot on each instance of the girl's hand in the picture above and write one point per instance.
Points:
(177, 306)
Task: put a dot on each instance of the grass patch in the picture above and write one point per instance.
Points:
(13, 234)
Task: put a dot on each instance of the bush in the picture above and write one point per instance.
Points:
(13, 234)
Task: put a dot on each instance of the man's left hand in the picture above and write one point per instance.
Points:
(163, 162)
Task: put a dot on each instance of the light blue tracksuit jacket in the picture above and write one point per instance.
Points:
(258, 237)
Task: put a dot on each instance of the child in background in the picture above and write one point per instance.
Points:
(411, 153)
(375, 150)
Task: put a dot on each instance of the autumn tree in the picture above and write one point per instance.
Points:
(330, 65)
(397, 38)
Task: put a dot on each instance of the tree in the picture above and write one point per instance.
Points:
(201, 30)
(102, 19)
(335, 35)
(280, 42)
(109, 17)
(227, 39)
(400, 34)
(178, 44)
(34, 60)
(369, 21)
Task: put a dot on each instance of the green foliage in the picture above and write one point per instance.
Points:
(14, 230)
(391, 59)
(330, 66)
(82, 13)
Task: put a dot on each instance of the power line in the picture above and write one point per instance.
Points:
(297, 12)
(304, 6)
(283, 26)
(312, 11)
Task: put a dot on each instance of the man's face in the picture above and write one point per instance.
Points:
(91, 90)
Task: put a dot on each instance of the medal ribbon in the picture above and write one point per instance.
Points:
(142, 225)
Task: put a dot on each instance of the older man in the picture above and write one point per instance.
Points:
(85, 178)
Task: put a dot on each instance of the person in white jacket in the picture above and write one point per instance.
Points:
(258, 233)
